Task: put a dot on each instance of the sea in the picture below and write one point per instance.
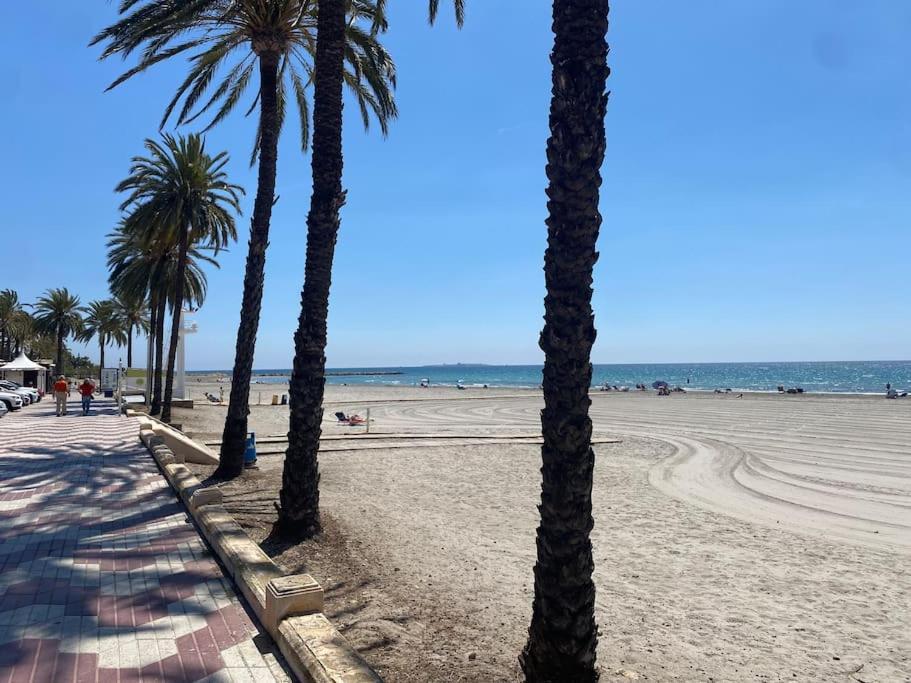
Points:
(861, 377)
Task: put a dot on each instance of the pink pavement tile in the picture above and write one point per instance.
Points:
(101, 509)
(65, 670)
(86, 668)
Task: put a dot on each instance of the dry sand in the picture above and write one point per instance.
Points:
(763, 538)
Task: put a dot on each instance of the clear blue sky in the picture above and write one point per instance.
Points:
(756, 188)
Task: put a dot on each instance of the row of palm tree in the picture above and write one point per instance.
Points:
(276, 41)
(57, 316)
(178, 213)
(331, 45)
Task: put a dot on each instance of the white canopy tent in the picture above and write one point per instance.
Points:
(25, 371)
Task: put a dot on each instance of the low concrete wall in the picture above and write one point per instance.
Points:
(177, 441)
(289, 607)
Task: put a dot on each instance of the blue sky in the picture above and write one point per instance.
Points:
(756, 187)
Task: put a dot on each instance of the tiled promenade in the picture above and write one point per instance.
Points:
(102, 578)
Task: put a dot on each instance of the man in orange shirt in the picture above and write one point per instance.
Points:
(61, 390)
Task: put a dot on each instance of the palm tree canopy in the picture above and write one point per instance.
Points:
(180, 186)
(9, 304)
(21, 328)
(58, 311)
(134, 312)
(226, 37)
(136, 264)
(104, 322)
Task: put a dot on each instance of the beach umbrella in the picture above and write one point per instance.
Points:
(659, 384)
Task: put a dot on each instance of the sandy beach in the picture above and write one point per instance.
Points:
(762, 538)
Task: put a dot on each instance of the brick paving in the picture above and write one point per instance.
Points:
(102, 577)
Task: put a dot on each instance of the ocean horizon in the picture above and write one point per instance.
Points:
(863, 377)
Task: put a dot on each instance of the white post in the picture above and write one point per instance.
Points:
(149, 343)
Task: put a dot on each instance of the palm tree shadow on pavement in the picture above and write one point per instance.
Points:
(95, 548)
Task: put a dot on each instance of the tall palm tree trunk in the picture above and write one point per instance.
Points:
(233, 440)
(60, 363)
(562, 636)
(130, 346)
(101, 358)
(150, 340)
(158, 364)
(183, 246)
(159, 299)
(299, 510)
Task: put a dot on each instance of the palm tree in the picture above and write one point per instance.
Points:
(21, 331)
(277, 39)
(132, 311)
(180, 195)
(9, 306)
(103, 321)
(563, 635)
(298, 512)
(141, 268)
(58, 313)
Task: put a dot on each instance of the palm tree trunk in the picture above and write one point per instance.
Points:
(299, 510)
(159, 301)
(183, 246)
(562, 636)
(60, 364)
(130, 346)
(101, 359)
(159, 353)
(233, 438)
(150, 339)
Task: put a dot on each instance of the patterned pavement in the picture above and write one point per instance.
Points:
(102, 577)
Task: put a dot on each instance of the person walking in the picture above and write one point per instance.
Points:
(61, 391)
(86, 390)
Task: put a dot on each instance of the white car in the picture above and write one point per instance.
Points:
(3, 409)
(30, 392)
(12, 401)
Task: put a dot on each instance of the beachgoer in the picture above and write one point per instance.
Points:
(61, 391)
(86, 389)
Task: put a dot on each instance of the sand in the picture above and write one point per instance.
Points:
(763, 538)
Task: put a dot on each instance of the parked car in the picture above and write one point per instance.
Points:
(8, 385)
(3, 409)
(12, 401)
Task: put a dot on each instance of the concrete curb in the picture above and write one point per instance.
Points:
(290, 608)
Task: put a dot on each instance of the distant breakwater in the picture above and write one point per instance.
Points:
(330, 373)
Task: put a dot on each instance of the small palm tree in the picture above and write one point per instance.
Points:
(103, 322)
(179, 196)
(133, 312)
(9, 306)
(563, 635)
(58, 313)
(21, 331)
(298, 514)
(275, 38)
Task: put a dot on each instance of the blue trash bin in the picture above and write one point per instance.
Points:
(250, 452)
